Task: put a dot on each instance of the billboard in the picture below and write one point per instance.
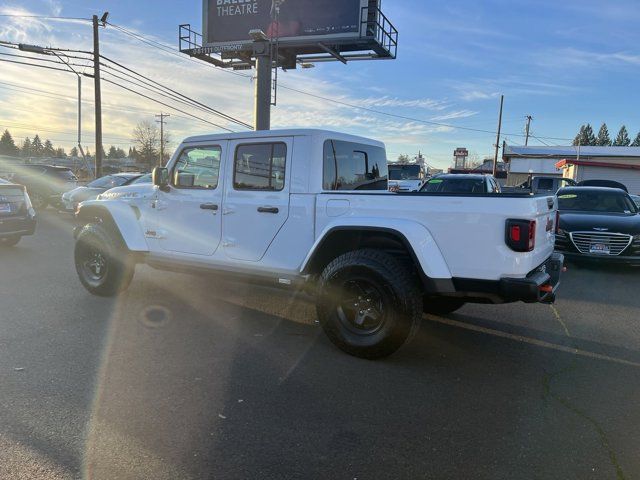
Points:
(226, 23)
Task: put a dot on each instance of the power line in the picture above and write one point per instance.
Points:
(196, 102)
(169, 49)
(37, 59)
(44, 17)
(36, 65)
(151, 85)
(167, 105)
(26, 126)
(109, 106)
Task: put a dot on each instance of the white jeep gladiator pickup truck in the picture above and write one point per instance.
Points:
(310, 209)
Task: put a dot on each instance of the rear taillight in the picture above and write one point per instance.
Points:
(521, 235)
(557, 230)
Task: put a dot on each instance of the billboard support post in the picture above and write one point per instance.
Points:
(262, 101)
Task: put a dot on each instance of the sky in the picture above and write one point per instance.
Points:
(564, 63)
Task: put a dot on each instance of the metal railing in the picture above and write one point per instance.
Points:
(374, 24)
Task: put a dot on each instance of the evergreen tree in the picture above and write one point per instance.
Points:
(622, 140)
(48, 150)
(26, 148)
(60, 153)
(37, 148)
(74, 152)
(603, 138)
(130, 153)
(585, 136)
(636, 142)
(7, 145)
(112, 152)
(120, 153)
(578, 138)
(589, 137)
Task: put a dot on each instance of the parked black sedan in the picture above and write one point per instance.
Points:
(598, 223)
(72, 198)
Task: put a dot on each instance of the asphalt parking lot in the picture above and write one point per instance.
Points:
(193, 377)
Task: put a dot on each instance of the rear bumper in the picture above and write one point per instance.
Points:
(13, 226)
(540, 285)
(625, 259)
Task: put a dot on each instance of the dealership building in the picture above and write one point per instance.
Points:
(621, 164)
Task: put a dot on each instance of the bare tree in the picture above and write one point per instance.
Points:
(146, 138)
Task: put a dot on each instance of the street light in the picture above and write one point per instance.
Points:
(49, 51)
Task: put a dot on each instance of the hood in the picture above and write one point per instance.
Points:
(80, 194)
(129, 192)
(589, 222)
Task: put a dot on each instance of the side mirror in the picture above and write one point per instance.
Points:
(183, 179)
(160, 178)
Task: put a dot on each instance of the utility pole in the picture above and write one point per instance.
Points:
(162, 116)
(495, 157)
(97, 93)
(526, 139)
(264, 72)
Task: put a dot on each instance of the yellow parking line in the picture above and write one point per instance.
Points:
(559, 318)
(531, 341)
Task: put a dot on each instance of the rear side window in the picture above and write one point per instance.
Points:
(354, 166)
(260, 166)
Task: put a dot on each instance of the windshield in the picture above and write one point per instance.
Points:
(455, 185)
(108, 181)
(143, 179)
(596, 201)
(404, 172)
(66, 175)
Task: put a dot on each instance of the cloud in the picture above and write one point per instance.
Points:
(586, 59)
(454, 115)
(51, 108)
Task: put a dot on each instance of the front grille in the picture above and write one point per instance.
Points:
(617, 242)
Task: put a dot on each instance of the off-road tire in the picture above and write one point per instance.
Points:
(392, 282)
(96, 242)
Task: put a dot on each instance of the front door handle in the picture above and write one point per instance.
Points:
(268, 209)
(209, 206)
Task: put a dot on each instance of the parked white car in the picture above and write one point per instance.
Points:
(310, 208)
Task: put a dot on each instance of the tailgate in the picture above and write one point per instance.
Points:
(546, 212)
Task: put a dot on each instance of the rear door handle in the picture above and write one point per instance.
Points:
(268, 209)
(209, 206)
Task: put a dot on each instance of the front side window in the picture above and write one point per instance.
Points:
(260, 166)
(198, 167)
(354, 166)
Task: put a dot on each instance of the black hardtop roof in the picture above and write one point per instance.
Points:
(582, 189)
